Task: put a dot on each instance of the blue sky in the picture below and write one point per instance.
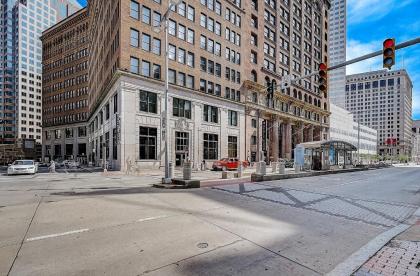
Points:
(369, 22)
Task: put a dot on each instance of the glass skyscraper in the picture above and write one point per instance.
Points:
(21, 25)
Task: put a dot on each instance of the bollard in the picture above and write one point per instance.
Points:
(257, 168)
(297, 168)
(171, 170)
(187, 170)
(240, 170)
(273, 167)
(263, 168)
(282, 167)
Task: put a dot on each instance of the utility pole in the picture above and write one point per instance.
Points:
(165, 129)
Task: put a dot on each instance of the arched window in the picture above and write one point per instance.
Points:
(295, 93)
(310, 99)
(254, 76)
(305, 98)
(274, 85)
(267, 81)
(300, 95)
(325, 106)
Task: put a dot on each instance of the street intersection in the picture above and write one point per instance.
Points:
(91, 224)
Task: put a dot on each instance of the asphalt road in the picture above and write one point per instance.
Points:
(88, 224)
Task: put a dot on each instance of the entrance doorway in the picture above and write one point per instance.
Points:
(182, 141)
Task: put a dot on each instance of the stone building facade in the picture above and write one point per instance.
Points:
(222, 56)
(383, 100)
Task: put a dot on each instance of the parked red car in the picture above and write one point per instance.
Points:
(228, 164)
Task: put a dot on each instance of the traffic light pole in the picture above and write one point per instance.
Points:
(368, 56)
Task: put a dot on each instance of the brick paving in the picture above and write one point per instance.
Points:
(396, 258)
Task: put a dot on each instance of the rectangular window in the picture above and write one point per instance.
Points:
(148, 139)
(172, 27)
(156, 71)
(145, 42)
(114, 144)
(145, 17)
(134, 39)
(171, 76)
(211, 114)
(190, 82)
(190, 59)
(156, 19)
(181, 79)
(115, 103)
(190, 36)
(181, 55)
(171, 52)
(148, 102)
(134, 65)
(134, 10)
(181, 32)
(181, 108)
(190, 13)
(232, 146)
(233, 118)
(210, 146)
(156, 46)
(145, 68)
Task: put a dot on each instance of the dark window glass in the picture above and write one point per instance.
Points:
(148, 138)
(148, 102)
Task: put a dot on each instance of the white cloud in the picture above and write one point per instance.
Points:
(356, 49)
(372, 10)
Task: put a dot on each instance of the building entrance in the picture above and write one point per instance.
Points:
(182, 141)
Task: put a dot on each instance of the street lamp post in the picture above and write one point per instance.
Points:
(165, 19)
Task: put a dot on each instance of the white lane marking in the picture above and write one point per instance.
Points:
(151, 218)
(57, 235)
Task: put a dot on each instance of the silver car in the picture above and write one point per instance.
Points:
(22, 167)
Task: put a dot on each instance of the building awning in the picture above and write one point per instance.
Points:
(336, 144)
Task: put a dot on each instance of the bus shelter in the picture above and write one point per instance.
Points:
(326, 155)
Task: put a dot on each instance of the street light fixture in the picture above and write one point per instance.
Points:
(165, 128)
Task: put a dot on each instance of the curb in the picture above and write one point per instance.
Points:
(361, 256)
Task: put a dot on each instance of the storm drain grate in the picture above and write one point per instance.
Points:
(202, 245)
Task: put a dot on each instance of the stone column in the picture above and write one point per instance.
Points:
(311, 134)
(287, 140)
(300, 134)
(275, 144)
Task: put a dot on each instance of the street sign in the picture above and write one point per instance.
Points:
(285, 82)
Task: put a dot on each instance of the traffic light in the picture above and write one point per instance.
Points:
(389, 53)
(270, 89)
(323, 78)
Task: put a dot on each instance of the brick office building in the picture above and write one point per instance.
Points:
(222, 54)
(65, 89)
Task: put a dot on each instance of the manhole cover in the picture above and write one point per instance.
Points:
(202, 245)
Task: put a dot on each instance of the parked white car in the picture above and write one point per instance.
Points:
(22, 167)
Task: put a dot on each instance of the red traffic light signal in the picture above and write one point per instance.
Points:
(323, 77)
(388, 53)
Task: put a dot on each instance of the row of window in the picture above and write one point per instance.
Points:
(374, 84)
(183, 108)
(148, 137)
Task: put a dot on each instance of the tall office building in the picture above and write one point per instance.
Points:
(64, 88)
(382, 100)
(222, 56)
(337, 52)
(21, 25)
